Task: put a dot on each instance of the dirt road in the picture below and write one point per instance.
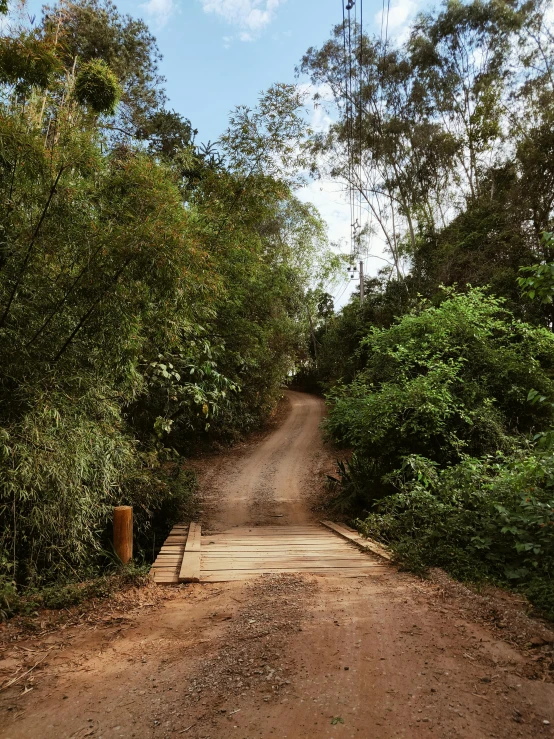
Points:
(268, 485)
(287, 656)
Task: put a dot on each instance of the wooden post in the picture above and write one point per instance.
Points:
(123, 532)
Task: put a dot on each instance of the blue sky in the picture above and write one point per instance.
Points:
(223, 53)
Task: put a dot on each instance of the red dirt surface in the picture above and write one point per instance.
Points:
(290, 657)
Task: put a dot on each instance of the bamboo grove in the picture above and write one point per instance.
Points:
(153, 291)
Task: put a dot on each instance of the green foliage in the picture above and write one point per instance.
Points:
(481, 519)
(443, 382)
(64, 466)
(150, 293)
(26, 61)
(454, 153)
(446, 399)
(96, 86)
(91, 30)
(537, 281)
(55, 597)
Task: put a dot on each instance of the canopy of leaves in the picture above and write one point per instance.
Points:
(152, 293)
(446, 398)
(94, 29)
(26, 61)
(97, 87)
(443, 382)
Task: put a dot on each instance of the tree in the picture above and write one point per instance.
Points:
(88, 31)
(152, 292)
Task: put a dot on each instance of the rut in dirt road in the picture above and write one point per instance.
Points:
(288, 656)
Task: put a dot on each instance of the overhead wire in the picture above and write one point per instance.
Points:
(336, 299)
(358, 189)
(350, 131)
(360, 119)
(346, 110)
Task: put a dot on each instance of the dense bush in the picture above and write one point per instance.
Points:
(150, 289)
(97, 86)
(451, 466)
(441, 401)
(481, 519)
(443, 382)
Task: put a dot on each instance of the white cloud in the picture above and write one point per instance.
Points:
(251, 16)
(159, 10)
(400, 13)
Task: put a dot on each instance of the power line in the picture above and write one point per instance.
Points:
(336, 300)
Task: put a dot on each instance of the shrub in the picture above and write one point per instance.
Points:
(482, 519)
(62, 469)
(443, 382)
(26, 61)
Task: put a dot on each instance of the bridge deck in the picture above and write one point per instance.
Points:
(245, 552)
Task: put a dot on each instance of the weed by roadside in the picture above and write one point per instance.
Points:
(27, 602)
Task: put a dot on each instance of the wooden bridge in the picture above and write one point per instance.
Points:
(328, 549)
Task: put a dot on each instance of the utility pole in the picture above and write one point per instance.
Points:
(361, 284)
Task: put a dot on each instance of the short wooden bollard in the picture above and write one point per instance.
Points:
(123, 532)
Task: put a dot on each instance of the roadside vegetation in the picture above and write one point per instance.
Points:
(154, 291)
(441, 383)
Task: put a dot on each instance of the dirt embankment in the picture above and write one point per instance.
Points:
(283, 656)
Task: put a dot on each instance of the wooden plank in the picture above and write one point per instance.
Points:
(269, 527)
(319, 532)
(276, 550)
(283, 557)
(287, 534)
(165, 569)
(193, 539)
(270, 542)
(277, 534)
(245, 552)
(332, 543)
(269, 536)
(358, 540)
(190, 566)
(167, 561)
(290, 567)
